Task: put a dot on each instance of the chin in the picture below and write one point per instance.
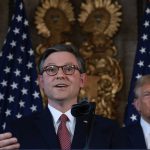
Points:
(60, 98)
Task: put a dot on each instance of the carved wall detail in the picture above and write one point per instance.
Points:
(99, 21)
(53, 19)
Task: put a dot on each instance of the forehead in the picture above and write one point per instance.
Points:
(61, 58)
(146, 87)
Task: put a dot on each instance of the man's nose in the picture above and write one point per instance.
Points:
(60, 72)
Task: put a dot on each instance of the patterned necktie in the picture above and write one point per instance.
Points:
(63, 133)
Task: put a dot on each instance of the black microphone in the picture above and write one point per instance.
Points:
(85, 108)
(82, 108)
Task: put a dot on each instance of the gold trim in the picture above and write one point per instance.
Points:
(106, 8)
(63, 5)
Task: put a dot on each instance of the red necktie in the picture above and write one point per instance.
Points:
(63, 133)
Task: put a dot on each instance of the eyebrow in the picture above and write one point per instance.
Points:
(68, 63)
(145, 92)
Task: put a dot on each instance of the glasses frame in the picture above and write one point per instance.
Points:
(45, 69)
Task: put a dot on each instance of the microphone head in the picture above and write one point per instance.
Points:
(81, 108)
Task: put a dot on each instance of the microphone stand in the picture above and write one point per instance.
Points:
(90, 125)
(85, 108)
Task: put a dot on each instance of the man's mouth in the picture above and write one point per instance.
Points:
(61, 85)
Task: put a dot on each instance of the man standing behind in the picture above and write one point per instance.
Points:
(137, 136)
(61, 75)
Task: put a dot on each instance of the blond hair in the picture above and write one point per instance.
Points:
(141, 82)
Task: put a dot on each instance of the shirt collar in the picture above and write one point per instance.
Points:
(56, 114)
(145, 126)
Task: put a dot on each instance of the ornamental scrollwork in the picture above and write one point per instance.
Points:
(99, 21)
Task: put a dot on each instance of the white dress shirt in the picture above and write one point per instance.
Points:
(56, 115)
(146, 130)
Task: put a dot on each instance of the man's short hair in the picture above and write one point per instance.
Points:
(62, 48)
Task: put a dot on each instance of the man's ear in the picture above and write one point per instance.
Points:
(83, 78)
(136, 104)
(40, 80)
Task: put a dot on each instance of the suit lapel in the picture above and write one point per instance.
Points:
(137, 137)
(47, 130)
(79, 138)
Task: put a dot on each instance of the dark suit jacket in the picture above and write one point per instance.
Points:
(37, 132)
(130, 137)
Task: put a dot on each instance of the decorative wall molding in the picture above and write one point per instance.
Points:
(99, 21)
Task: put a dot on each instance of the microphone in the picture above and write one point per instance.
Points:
(85, 108)
(82, 108)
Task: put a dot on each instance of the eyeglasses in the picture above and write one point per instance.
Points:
(52, 70)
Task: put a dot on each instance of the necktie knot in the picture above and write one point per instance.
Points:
(63, 118)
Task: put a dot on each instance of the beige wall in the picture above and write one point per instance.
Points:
(126, 41)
